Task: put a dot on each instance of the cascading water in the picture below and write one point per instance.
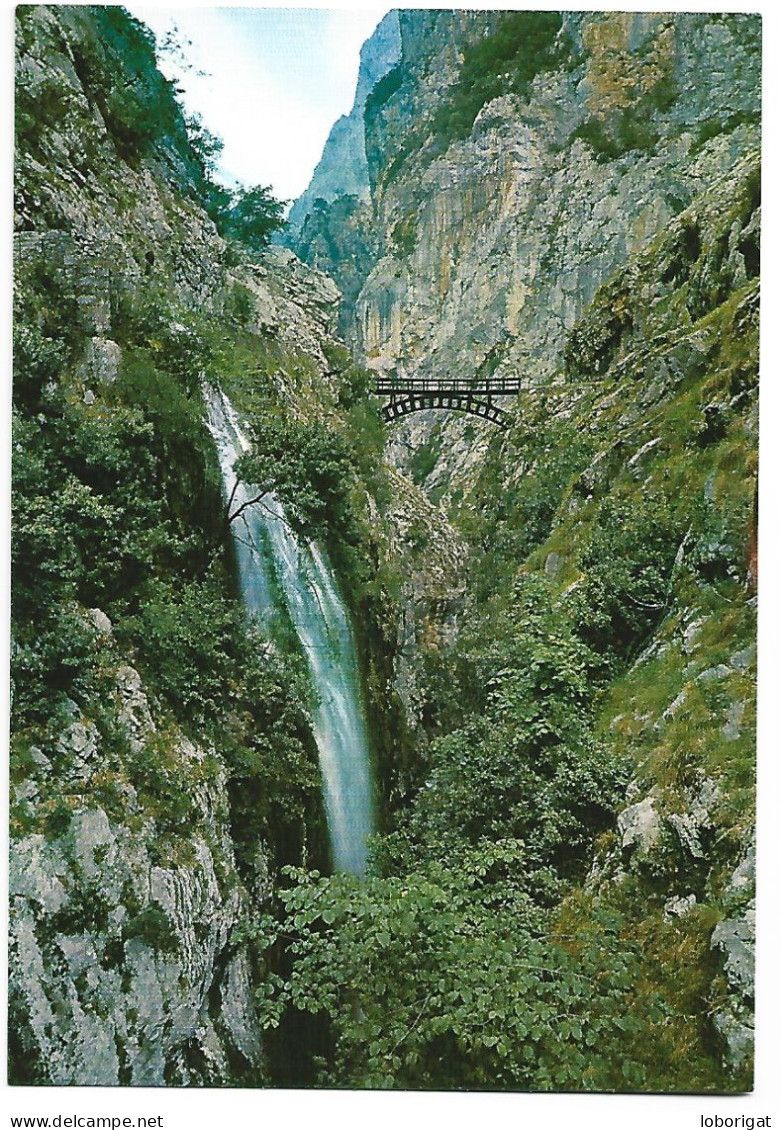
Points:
(273, 559)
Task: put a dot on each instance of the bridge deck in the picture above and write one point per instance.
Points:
(475, 386)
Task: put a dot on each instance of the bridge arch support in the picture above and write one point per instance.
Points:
(401, 406)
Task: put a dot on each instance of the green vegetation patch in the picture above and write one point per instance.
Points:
(504, 62)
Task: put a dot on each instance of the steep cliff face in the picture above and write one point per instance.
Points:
(584, 212)
(494, 247)
(330, 225)
(342, 169)
(493, 239)
(133, 867)
(122, 966)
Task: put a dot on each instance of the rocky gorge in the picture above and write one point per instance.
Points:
(556, 621)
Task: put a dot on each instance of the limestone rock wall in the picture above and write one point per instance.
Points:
(508, 234)
(489, 251)
(122, 968)
(125, 892)
(598, 235)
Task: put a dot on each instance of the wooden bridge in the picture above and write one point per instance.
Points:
(472, 395)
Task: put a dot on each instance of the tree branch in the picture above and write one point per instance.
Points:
(244, 506)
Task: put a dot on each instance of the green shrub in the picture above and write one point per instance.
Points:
(488, 1001)
(633, 127)
(627, 566)
(307, 465)
(154, 928)
(506, 61)
(383, 90)
(117, 66)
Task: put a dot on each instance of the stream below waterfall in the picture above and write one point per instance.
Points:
(275, 563)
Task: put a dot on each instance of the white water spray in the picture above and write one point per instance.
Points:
(272, 559)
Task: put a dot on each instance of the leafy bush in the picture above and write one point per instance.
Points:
(308, 466)
(37, 360)
(524, 766)
(631, 131)
(47, 332)
(153, 927)
(488, 1000)
(187, 638)
(250, 216)
(516, 514)
(205, 145)
(129, 122)
(627, 565)
(240, 305)
(354, 381)
(48, 101)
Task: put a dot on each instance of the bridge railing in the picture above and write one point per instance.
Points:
(475, 386)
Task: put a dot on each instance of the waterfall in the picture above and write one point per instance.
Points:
(273, 559)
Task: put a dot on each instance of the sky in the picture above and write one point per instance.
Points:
(270, 82)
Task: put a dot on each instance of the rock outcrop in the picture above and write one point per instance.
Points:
(122, 968)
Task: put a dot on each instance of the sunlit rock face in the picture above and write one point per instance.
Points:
(502, 240)
(488, 247)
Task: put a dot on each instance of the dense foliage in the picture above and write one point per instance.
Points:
(251, 217)
(117, 504)
(523, 767)
(506, 815)
(383, 90)
(307, 465)
(447, 978)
